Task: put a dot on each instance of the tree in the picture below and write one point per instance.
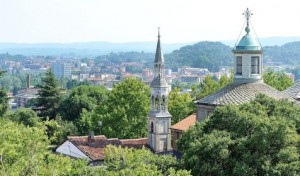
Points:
(180, 105)
(140, 162)
(278, 80)
(49, 96)
(71, 83)
(210, 86)
(3, 99)
(24, 116)
(257, 138)
(82, 97)
(10, 82)
(58, 130)
(124, 114)
(24, 151)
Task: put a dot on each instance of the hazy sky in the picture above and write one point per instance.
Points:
(32, 21)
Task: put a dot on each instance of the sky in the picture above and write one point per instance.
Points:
(180, 21)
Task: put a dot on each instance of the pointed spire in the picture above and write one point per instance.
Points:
(159, 58)
(247, 15)
(158, 33)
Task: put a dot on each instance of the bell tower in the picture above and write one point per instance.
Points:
(248, 55)
(159, 121)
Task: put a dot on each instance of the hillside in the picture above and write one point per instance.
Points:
(286, 54)
(209, 55)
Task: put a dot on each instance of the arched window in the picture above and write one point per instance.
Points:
(157, 103)
(152, 101)
(152, 127)
(163, 103)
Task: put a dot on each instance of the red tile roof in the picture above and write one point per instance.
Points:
(94, 149)
(185, 124)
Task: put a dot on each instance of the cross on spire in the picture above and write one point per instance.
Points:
(158, 32)
(247, 15)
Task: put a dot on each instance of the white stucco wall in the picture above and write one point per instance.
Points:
(246, 66)
(67, 148)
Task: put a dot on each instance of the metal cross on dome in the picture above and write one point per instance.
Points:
(247, 13)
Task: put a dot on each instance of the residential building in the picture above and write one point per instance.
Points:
(61, 70)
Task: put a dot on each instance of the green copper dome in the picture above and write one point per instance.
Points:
(248, 43)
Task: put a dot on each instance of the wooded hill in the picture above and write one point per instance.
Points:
(212, 55)
(206, 54)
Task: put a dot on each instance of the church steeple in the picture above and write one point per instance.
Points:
(159, 133)
(159, 58)
(159, 66)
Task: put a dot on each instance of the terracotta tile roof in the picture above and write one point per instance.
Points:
(94, 149)
(136, 143)
(185, 124)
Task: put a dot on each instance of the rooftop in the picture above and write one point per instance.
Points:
(248, 42)
(186, 123)
(241, 92)
(293, 91)
(94, 149)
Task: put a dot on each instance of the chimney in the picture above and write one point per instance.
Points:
(91, 137)
(28, 81)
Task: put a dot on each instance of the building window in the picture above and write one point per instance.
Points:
(255, 65)
(157, 103)
(177, 135)
(152, 127)
(163, 103)
(239, 65)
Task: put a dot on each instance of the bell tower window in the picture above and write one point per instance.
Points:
(255, 65)
(152, 127)
(239, 65)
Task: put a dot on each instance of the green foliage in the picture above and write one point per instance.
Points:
(85, 122)
(287, 54)
(24, 151)
(58, 130)
(126, 57)
(140, 162)
(209, 86)
(21, 148)
(209, 55)
(124, 113)
(82, 97)
(278, 80)
(180, 105)
(3, 98)
(9, 82)
(24, 116)
(71, 83)
(49, 96)
(257, 138)
(134, 69)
